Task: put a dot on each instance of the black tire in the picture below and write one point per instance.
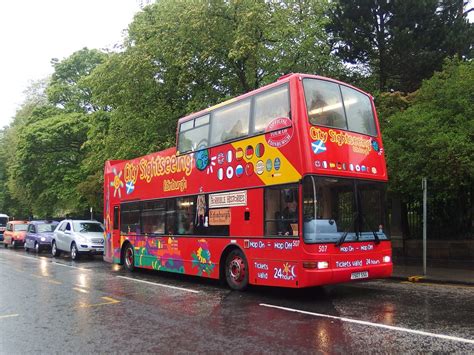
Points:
(54, 249)
(129, 258)
(237, 270)
(74, 252)
(5, 245)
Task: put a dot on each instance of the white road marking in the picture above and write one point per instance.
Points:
(391, 327)
(158, 284)
(72, 267)
(25, 257)
(9, 316)
(52, 262)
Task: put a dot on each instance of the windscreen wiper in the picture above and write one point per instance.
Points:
(343, 238)
(376, 237)
(346, 232)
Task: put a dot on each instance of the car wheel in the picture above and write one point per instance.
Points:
(37, 247)
(5, 245)
(129, 258)
(236, 270)
(74, 251)
(54, 250)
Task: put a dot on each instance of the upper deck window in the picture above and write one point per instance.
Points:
(194, 134)
(271, 104)
(333, 105)
(230, 122)
(238, 120)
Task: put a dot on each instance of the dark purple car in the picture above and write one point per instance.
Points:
(38, 236)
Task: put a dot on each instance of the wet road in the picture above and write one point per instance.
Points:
(55, 305)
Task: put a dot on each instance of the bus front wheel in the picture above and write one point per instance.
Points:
(236, 270)
(129, 258)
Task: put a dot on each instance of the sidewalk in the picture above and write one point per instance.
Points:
(434, 274)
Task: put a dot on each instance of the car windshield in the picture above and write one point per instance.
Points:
(86, 227)
(46, 227)
(20, 227)
(3, 221)
(337, 210)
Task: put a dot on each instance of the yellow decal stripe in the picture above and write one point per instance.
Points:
(286, 172)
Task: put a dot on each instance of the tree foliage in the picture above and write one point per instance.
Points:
(402, 42)
(434, 138)
(66, 89)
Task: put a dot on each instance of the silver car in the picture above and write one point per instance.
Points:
(78, 237)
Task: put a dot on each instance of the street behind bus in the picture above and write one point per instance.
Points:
(53, 305)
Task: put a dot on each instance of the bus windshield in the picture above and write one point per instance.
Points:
(338, 210)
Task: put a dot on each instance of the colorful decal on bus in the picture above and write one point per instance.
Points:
(202, 259)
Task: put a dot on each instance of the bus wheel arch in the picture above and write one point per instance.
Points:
(234, 268)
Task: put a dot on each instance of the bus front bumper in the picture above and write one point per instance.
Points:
(318, 277)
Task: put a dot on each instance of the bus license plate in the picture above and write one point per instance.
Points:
(359, 275)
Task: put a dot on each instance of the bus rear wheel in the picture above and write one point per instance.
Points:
(236, 270)
(129, 258)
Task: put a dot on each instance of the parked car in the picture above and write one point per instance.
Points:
(3, 224)
(39, 235)
(78, 237)
(15, 233)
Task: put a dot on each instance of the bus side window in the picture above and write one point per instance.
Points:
(271, 104)
(281, 210)
(153, 217)
(170, 223)
(185, 214)
(130, 218)
(230, 122)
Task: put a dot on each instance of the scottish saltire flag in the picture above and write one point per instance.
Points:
(318, 147)
(130, 187)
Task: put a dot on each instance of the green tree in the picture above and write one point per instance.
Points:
(66, 90)
(14, 199)
(400, 42)
(47, 163)
(434, 138)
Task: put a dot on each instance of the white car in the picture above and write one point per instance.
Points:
(78, 237)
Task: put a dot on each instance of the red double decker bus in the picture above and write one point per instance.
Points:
(282, 186)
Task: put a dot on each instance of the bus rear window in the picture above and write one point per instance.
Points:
(333, 105)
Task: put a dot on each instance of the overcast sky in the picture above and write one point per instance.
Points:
(35, 31)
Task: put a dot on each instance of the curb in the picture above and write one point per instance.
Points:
(428, 279)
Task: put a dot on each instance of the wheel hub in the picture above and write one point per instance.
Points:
(237, 269)
(129, 257)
